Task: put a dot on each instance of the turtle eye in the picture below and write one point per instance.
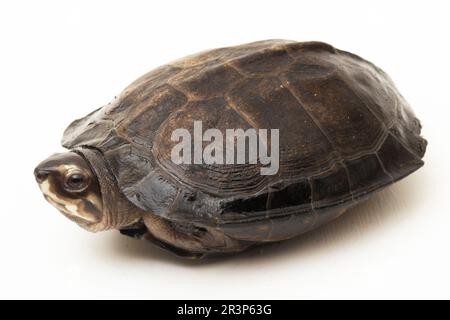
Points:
(76, 182)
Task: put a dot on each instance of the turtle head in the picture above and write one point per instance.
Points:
(69, 184)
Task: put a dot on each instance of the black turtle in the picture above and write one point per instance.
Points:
(344, 133)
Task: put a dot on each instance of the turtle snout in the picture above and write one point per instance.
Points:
(41, 174)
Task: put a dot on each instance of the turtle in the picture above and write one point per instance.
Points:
(344, 133)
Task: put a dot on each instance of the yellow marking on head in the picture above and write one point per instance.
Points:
(72, 207)
(95, 200)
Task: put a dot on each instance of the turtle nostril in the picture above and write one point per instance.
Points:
(41, 175)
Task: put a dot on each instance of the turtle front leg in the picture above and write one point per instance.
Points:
(140, 231)
(189, 240)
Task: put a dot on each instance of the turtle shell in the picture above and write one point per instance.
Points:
(345, 131)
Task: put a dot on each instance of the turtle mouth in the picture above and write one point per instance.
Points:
(80, 210)
(70, 214)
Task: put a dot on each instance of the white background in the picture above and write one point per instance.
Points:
(61, 59)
